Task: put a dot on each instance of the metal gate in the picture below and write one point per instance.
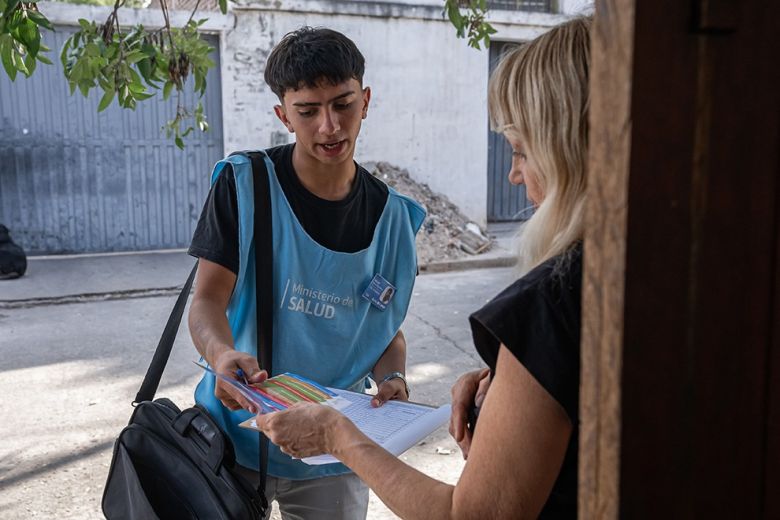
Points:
(505, 201)
(73, 180)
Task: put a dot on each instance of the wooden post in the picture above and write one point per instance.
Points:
(604, 261)
(680, 413)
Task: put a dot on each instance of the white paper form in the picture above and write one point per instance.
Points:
(396, 425)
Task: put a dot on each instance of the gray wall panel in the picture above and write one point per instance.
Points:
(505, 201)
(73, 180)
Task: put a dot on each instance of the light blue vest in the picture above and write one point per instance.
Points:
(322, 327)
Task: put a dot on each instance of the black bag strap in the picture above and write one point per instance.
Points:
(162, 353)
(263, 260)
(264, 280)
(263, 238)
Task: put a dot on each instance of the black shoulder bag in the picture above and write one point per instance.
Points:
(169, 463)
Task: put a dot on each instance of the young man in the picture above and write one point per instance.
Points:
(336, 231)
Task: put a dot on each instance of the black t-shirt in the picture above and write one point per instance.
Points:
(345, 225)
(538, 319)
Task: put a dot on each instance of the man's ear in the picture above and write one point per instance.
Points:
(366, 101)
(280, 113)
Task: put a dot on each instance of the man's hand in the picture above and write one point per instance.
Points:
(469, 390)
(392, 389)
(212, 336)
(393, 359)
(229, 363)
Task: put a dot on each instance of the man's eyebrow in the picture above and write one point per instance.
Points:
(316, 104)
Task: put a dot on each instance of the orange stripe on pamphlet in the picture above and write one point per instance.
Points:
(305, 395)
(310, 390)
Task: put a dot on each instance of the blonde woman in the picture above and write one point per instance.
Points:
(522, 458)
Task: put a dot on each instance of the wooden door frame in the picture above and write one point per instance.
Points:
(679, 402)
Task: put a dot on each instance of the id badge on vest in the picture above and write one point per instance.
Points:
(379, 292)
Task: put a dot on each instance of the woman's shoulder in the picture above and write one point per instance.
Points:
(555, 279)
(537, 318)
(540, 308)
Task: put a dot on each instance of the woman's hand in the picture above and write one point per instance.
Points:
(469, 390)
(305, 429)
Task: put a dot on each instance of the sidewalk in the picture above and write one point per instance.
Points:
(71, 278)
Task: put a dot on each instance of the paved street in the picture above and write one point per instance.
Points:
(69, 372)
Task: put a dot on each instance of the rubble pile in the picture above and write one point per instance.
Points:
(446, 234)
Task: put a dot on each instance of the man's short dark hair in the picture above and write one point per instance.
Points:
(308, 56)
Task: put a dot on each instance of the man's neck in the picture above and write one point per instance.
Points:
(326, 181)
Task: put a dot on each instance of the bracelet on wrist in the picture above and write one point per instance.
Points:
(397, 375)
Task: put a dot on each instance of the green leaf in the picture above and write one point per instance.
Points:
(30, 36)
(85, 25)
(149, 50)
(167, 90)
(111, 51)
(134, 57)
(10, 7)
(145, 69)
(64, 53)
(29, 63)
(136, 88)
(200, 84)
(43, 59)
(92, 50)
(39, 19)
(84, 88)
(179, 142)
(8, 63)
(134, 77)
(76, 71)
(18, 62)
(140, 96)
(108, 97)
(13, 21)
(187, 132)
(453, 13)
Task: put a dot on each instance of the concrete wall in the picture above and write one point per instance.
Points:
(428, 109)
(429, 89)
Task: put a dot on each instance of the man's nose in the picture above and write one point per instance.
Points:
(330, 122)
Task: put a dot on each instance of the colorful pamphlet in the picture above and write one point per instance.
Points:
(278, 392)
(396, 425)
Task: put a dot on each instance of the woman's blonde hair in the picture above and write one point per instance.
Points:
(539, 94)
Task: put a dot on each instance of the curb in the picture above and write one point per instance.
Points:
(89, 297)
(462, 264)
(468, 263)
